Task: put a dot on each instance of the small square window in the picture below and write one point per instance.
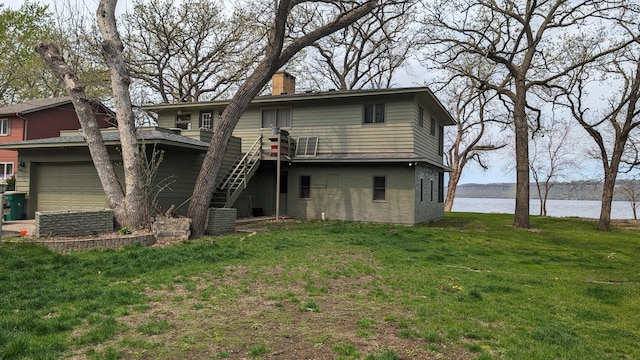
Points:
(183, 121)
(379, 187)
(280, 117)
(373, 114)
(305, 187)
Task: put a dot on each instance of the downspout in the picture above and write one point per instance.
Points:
(24, 131)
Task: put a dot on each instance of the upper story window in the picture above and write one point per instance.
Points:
(433, 126)
(440, 139)
(373, 114)
(5, 127)
(206, 120)
(420, 116)
(278, 117)
(183, 121)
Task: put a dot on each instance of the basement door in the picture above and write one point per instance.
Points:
(68, 186)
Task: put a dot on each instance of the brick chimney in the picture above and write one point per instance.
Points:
(283, 83)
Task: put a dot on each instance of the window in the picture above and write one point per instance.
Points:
(305, 187)
(440, 139)
(7, 170)
(284, 182)
(433, 126)
(206, 120)
(441, 187)
(307, 145)
(183, 121)
(421, 190)
(280, 117)
(373, 114)
(431, 190)
(5, 126)
(420, 116)
(379, 187)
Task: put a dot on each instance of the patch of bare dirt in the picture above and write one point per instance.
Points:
(237, 315)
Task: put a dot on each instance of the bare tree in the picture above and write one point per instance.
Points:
(368, 53)
(529, 45)
(611, 128)
(630, 191)
(188, 51)
(130, 205)
(469, 142)
(552, 156)
(277, 52)
(78, 39)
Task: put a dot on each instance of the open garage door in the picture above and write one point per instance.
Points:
(68, 186)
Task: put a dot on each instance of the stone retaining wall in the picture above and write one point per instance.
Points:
(221, 220)
(117, 242)
(171, 230)
(73, 223)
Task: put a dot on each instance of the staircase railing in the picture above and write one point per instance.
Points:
(241, 173)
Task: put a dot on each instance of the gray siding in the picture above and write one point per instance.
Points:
(346, 193)
(427, 206)
(337, 124)
(426, 145)
(174, 180)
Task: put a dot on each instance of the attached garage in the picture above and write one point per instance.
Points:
(67, 186)
(58, 174)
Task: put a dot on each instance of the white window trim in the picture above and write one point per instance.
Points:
(4, 175)
(7, 127)
(202, 123)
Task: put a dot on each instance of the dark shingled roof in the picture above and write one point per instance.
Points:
(34, 105)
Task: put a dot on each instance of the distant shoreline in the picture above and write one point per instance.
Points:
(584, 209)
(574, 190)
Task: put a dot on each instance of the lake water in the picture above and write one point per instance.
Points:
(556, 208)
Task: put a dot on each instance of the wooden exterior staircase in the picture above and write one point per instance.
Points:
(231, 185)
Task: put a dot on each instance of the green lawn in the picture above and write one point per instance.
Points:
(468, 287)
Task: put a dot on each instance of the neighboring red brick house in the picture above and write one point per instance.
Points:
(38, 119)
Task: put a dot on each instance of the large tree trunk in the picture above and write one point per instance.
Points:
(607, 198)
(205, 184)
(136, 199)
(521, 217)
(274, 58)
(90, 130)
(454, 178)
(610, 176)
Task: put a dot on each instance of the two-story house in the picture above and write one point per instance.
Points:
(361, 155)
(38, 119)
